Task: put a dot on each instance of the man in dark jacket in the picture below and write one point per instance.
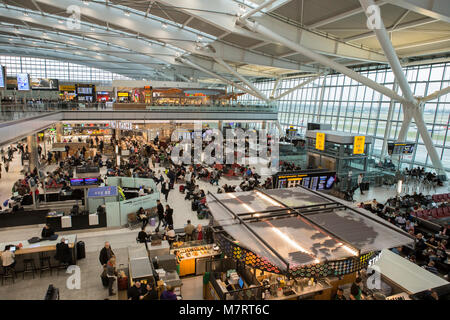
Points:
(168, 215)
(160, 210)
(105, 254)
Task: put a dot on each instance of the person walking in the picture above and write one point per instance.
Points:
(111, 273)
(106, 254)
(168, 216)
(360, 181)
(165, 189)
(160, 210)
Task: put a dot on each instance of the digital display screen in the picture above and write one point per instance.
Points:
(330, 182)
(23, 82)
(314, 183)
(76, 182)
(322, 182)
(44, 84)
(311, 179)
(84, 90)
(2, 77)
(306, 182)
(90, 181)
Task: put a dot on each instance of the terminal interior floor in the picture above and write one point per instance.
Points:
(120, 239)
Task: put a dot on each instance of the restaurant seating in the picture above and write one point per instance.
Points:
(29, 267)
(44, 264)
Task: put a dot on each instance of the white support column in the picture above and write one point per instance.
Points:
(412, 106)
(436, 94)
(258, 28)
(275, 87)
(304, 83)
(391, 55)
(426, 137)
(387, 131)
(407, 117)
(318, 114)
(249, 13)
(240, 77)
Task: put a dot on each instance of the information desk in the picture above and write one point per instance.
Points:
(193, 258)
(77, 222)
(34, 250)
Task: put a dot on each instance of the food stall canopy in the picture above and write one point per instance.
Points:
(264, 223)
(405, 274)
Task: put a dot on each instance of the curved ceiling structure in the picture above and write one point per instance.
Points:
(181, 39)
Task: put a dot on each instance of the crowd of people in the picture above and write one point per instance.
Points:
(429, 250)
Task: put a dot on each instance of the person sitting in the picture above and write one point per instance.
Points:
(63, 253)
(137, 292)
(168, 294)
(151, 294)
(171, 235)
(430, 267)
(141, 191)
(142, 216)
(340, 294)
(8, 258)
(47, 231)
(142, 236)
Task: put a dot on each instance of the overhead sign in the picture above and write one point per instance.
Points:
(122, 94)
(320, 141)
(66, 88)
(110, 191)
(358, 144)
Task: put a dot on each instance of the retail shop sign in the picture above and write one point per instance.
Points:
(358, 144)
(320, 141)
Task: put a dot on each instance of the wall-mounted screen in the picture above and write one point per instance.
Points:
(23, 81)
(2, 77)
(44, 84)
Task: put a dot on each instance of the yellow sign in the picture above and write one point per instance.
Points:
(358, 144)
(122, 94)
(320, 141)
(66, 88)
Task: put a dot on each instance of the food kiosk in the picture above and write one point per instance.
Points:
(194, 255)
(300, 244)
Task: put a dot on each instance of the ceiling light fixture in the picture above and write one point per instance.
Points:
(60, 21)
(127, 13)
(164, 25)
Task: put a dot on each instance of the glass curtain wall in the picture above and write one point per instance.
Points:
(54, 69)
(353, 107)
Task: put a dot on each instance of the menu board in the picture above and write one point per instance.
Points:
(23, 82)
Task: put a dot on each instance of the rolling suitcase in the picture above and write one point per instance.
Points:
(194, 206)
(122, 279)
(81, 250)
(105, 280)
(182, 189)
